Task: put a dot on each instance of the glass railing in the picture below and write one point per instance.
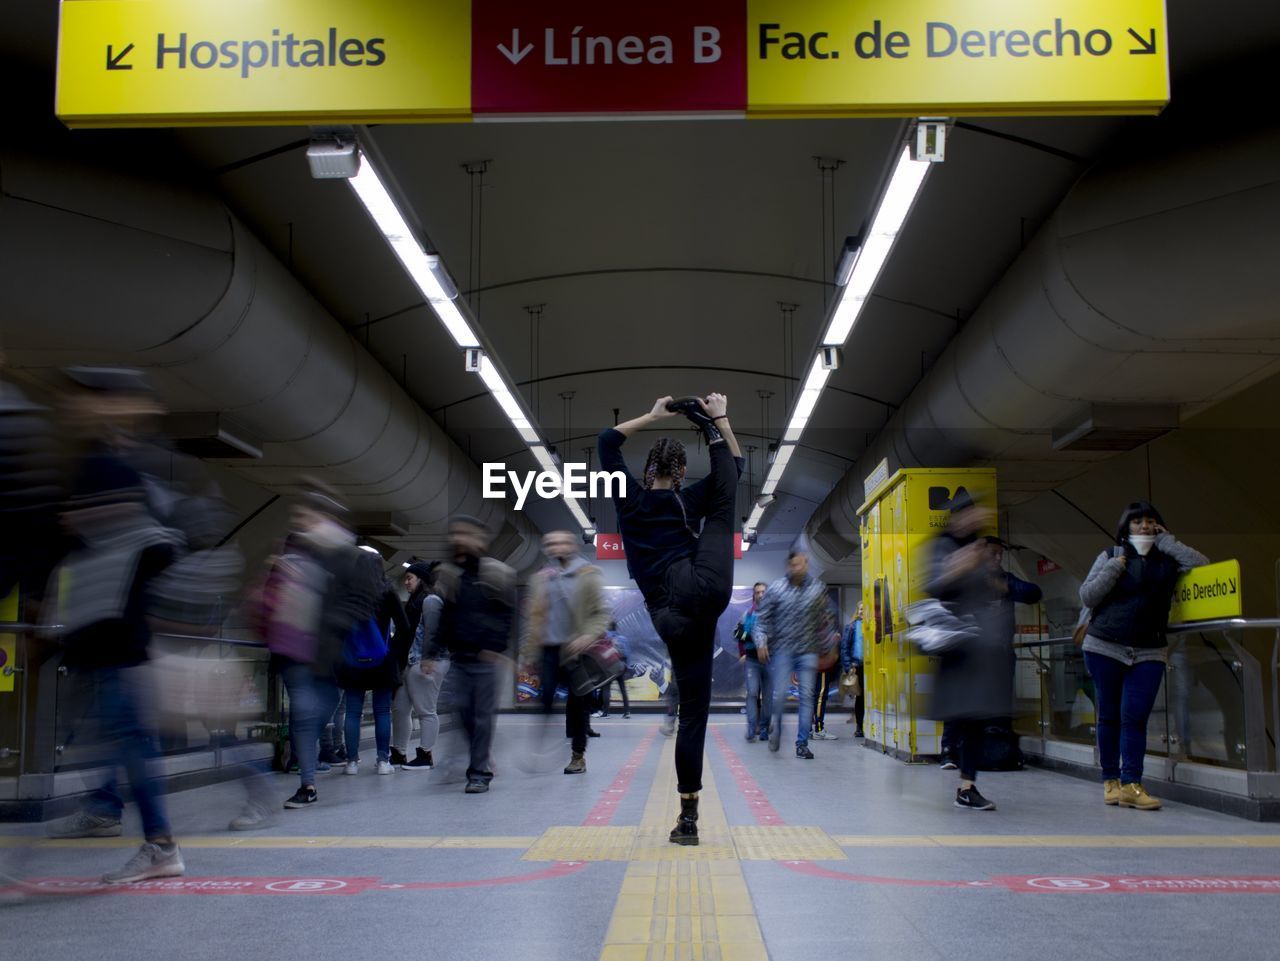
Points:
(203, 694)
(1212, 707)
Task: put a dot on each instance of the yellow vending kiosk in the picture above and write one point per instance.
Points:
(900, 517)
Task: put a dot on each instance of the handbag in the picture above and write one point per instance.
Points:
(851, 683)
(935, 629)
(595, 667)
(365, 645)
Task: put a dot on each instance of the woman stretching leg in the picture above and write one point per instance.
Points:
(684, 573)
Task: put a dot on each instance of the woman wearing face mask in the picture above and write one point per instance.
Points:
(1129, 591)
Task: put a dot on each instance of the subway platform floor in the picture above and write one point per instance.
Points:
(851, 854)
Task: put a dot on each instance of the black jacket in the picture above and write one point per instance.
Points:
(479, 608)
(658, 527)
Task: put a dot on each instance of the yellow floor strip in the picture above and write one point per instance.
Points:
(683, 903)
(1062, 841)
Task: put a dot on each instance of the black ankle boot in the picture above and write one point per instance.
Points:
(686, 829)
(691, 407)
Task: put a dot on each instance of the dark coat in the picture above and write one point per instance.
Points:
(973, 680)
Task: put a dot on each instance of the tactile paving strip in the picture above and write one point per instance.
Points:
(785, 843)
(583, 844)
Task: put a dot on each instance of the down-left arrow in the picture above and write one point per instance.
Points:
(113, 61)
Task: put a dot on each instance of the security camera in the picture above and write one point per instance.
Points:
(830, 358)
(473, 355)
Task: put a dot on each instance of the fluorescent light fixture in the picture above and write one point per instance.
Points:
(405, 564)
(544, 458)
(424, 269)
(807, 401)
(507, 400)
(848, 257)
(768, 487)
(369, 549)
(865, 264)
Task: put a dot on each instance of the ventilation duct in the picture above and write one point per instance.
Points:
(109, 267)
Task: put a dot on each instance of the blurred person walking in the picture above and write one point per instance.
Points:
(567, 614)
(479, 596)
(679, 547)
(794, 620)
(851, 660)
(98, 604)
(972, 683)
(419, 691)
(753, 652)
(1129, 590)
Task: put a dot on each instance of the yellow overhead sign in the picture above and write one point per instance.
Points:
(1207, 593)
(944, 57)
(159, 62)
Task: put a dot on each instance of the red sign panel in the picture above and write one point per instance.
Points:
(575, 56)
(609, 547)
(1046, 566)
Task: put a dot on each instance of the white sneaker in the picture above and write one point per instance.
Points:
(384, 767)
(353, 767)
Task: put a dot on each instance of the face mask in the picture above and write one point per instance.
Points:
(1142, 543)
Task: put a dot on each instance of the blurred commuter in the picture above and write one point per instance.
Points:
(753, 652)
(1129, 590)
(293, 613)
(851, 660)
(620, 642)
(972, 684)
(826, 679)
(567, 614)
(370, 659)
(665, 681)
(685, 573)
(419, 690)
(98, 602)
(794, 622)
(33, 482)
(476, 620)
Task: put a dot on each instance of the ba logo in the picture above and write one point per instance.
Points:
(941, 499)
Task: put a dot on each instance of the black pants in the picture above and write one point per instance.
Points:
(607, 692)
(577, 710)
(694, 594)
(967, 738)
(823, 688)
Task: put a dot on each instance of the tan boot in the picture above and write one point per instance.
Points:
(577, 765)
(1111, 791)
(1135, 796)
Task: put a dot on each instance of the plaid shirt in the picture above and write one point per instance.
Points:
(794, 618)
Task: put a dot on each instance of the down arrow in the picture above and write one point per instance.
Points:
(516, 53)
(1144, 46)
(113, 61)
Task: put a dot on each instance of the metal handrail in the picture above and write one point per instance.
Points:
(1182, 627)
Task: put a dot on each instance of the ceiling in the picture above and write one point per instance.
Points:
(661, 253)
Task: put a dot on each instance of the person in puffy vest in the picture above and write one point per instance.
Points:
(1129, 590)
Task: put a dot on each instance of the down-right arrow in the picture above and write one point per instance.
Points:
(1145, 46)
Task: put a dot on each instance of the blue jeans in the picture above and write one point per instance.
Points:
(782, 664)
(1125, 696)
(311, 704)
(381, 723)
(759, 696)
(121, 716)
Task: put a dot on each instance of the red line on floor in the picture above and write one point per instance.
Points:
(607, 806)
(761, 808)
